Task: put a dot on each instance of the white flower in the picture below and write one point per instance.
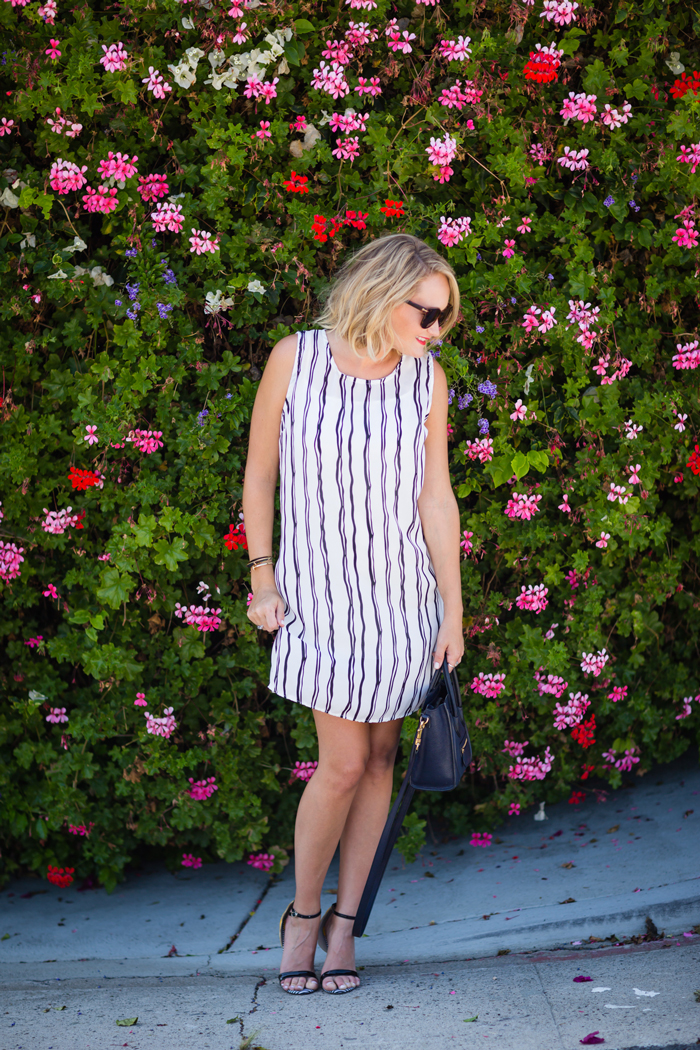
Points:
(215, 301)
(256, 286)
(30, 240)
(59, 275)
(8, 198)
(216, 57)
(193, 55)
(183, 74)
(78, 245)
(187, 23)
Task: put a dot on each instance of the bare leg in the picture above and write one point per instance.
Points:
(363, 829)
(343, 752)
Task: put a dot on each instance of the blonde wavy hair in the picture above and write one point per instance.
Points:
(379, 277)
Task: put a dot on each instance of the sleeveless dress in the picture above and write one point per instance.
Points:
(362, 607)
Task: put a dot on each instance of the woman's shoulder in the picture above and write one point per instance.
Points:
(279, 365)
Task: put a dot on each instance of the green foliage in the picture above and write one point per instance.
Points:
(185, 364)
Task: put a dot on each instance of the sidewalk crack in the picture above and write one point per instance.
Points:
(248, 917)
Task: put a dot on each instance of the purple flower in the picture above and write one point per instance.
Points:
(201, 418)
(513, 300)
(131, 253)
(550, 276)
(488, 388)
(164, 309)
(169, 277)
(117, 302)
(608, 201)
(634, 205)
(478, 256)
(133, 290)
(483, 425)
(479, 328)
(132, 313)
(464, 400)
(450, 395)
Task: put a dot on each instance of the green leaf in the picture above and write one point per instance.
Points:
(304, 26)
(80, 616)
(97, 621)
(468, 1019)
(128, 1022)
(170, 554)
(538, 460)
(520, 464)
(115, 587)
(144, 529)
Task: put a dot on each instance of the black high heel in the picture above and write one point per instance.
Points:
(290, 910)
(323, 944)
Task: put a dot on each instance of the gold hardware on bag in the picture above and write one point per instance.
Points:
(466, 741)
(423, 723)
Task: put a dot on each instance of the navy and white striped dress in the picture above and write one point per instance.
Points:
(362, 607)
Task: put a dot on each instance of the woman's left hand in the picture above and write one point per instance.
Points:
(450, 642)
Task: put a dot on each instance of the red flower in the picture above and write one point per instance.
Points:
(542, 68)
(356, 219)
(60, 876)
(587, 770)
(584, 734)
(391, 208)
(82, 479)
(694, 461)
(321, 232)
(236, 538)
(685, 84)
(297, 183)
(577, 797)
(78, 523)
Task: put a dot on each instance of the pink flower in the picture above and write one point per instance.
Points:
(240, 36)
(531, 768)
(65, 176)
(509, 249)
(571, 714)
(140, 700)
(680, 425)
(481, 449)
(520, 411)
(10, 561)
(619, 693)
(299, 123)
(522, 506)
(249, 598)
(481, 839)
(347, 149)
(603, 541)
(53, 51)
(514, 749)
(202, 789)
(190, 861)
(264, 130)
(686, 236)
(6, 126)
(331, 80)
(167, 217)
(103, 200)
(263, 861)
(564, 505)
(454, 96)
(117, 166)
(632, 431)
(367, 87)
(594, 663)
(91, 437)
(514, 809)
(524, 226)
(201, 617)
(400, 41)
(367, 5)
(530, 319)
(561, 12)
(489, 685)
(114, 58)
(56, 522)
(617, 492)
(50, 591)
(103, 557)
(359, 34)
(80, 829)
(614, 118)
(579, 107)
(202, 242)
(303, 771)
(550, 633)
(36, 642)
(57, 714)
(690, 155)
(441, 153)
(164, 726)
(152, 187)
(455, 50)
(147, 441)
(533, 599)
(155, 83)
(553, 684)
(466, 543)
(268, 90)
(453, 231)
(687, 711)
(573, 160)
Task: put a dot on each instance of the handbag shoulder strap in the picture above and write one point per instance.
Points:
(381, 857)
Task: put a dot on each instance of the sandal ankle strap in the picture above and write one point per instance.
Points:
(341, 916)
(297, 914)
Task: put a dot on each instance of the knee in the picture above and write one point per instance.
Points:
(344, 774)
(381, 761)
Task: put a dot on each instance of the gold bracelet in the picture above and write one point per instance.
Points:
(269, 561)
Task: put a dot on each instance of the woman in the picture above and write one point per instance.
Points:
(365, 595)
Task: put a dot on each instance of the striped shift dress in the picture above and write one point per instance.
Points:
(362, 607)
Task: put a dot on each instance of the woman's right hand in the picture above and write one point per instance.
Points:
(266, 608)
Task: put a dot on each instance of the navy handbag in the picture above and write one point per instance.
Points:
(440, 754)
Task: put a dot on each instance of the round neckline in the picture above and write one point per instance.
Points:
(376, 379)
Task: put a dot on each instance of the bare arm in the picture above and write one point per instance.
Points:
(439, 515)
(260, 482)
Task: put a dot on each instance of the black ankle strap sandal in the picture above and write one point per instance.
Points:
(291, 910)
(322, 936)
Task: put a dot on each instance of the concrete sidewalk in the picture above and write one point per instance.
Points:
(187, 953)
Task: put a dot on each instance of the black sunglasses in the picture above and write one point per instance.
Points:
(431, 314)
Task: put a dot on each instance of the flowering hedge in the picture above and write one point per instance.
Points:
(178, 183)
